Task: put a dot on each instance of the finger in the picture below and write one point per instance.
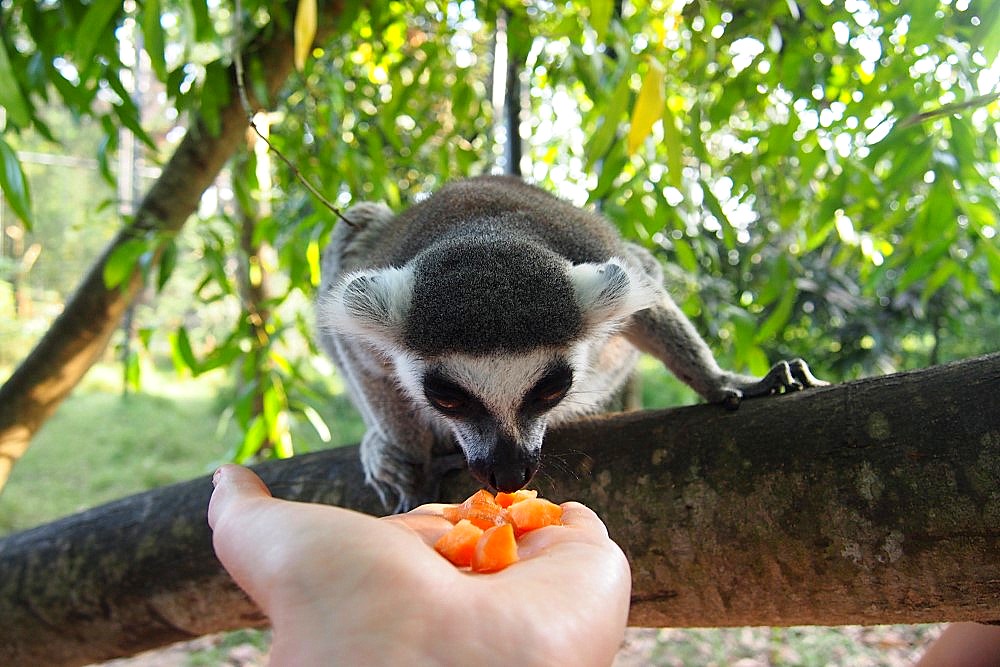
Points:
(233, 485)
(580, 516)
(429, 525)
(428, 508)
(580, 527)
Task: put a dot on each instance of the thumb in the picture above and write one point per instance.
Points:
(237, 515)
(234, 486)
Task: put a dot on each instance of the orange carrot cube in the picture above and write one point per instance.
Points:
(495, 550)
(508, 499)
(459, 544)
(532, 514)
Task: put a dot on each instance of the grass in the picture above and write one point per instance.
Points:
(101, 445)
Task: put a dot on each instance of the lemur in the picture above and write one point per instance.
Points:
(485, 313)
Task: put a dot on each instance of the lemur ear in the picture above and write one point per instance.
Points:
(611, 291)
(371, 303)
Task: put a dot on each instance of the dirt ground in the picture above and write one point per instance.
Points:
(848, 646)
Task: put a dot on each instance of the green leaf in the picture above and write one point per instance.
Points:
(685, 255)
(11, 97)
(181, 352)
(153, 41)
(675, 148)
(921, 265)
(601, 12)
(992, 253)
(988, 35)
(314, 418)
(14, 184)
(93, 26)
(204, 31)
(168, 262)
(214, 93)
(221, 356)
(776, 283)
(132, 372)
(252, 440)
(941, 274)
(603, 138)
(122, 262)
(145, 335)
(779, 317)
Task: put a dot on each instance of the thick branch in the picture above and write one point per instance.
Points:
(875, 501)
(81, 333)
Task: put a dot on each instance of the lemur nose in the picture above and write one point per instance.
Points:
(510, 478)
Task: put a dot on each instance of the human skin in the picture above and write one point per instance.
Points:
(345, 588)
(964, 645)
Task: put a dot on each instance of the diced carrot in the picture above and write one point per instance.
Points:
(532, 514)
(459, 544)
(480, 508)
(507, 499)
(495, 550)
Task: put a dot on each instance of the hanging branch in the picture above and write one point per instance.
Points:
(250, 114)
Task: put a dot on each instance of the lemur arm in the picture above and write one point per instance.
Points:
(666, 333)
(396, 451)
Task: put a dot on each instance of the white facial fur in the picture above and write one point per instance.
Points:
(500, 382)
(371, 304)
(611, 291)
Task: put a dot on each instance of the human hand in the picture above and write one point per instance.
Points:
(346, 588)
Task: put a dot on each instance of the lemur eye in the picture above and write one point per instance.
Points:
(551, 389)
(446, 404)
(448, 397)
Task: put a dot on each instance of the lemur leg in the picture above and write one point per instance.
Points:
(666, 333)
(395, 450)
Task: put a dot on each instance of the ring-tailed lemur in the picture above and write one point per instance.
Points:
(488, 311)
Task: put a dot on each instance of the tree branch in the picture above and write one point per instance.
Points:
(876, 501)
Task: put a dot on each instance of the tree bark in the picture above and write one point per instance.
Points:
(80, 334)
(876, 501)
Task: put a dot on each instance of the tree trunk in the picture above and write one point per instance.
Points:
(876, 501)
(80, 334)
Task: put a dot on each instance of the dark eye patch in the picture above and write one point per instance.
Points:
(450, 398)
(550, 389)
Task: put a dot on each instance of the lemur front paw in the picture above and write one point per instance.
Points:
(402, 479)
(784, 376)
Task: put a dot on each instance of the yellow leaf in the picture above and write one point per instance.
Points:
(648, 106)
(313, 257)
(305, 31)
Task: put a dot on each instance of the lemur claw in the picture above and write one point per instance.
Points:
(784, 376)
(800, 371)
(392, 474)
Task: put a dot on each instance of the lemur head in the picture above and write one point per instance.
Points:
(487, 333)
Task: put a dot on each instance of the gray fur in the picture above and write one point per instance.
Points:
(492, 280)
(489, 288)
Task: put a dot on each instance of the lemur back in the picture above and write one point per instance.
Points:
(573, 233)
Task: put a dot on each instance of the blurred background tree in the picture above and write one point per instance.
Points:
(819, 178)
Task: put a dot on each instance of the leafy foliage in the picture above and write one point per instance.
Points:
(820, 178)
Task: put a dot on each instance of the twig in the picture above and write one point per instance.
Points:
(948, 109)
(248, 110)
